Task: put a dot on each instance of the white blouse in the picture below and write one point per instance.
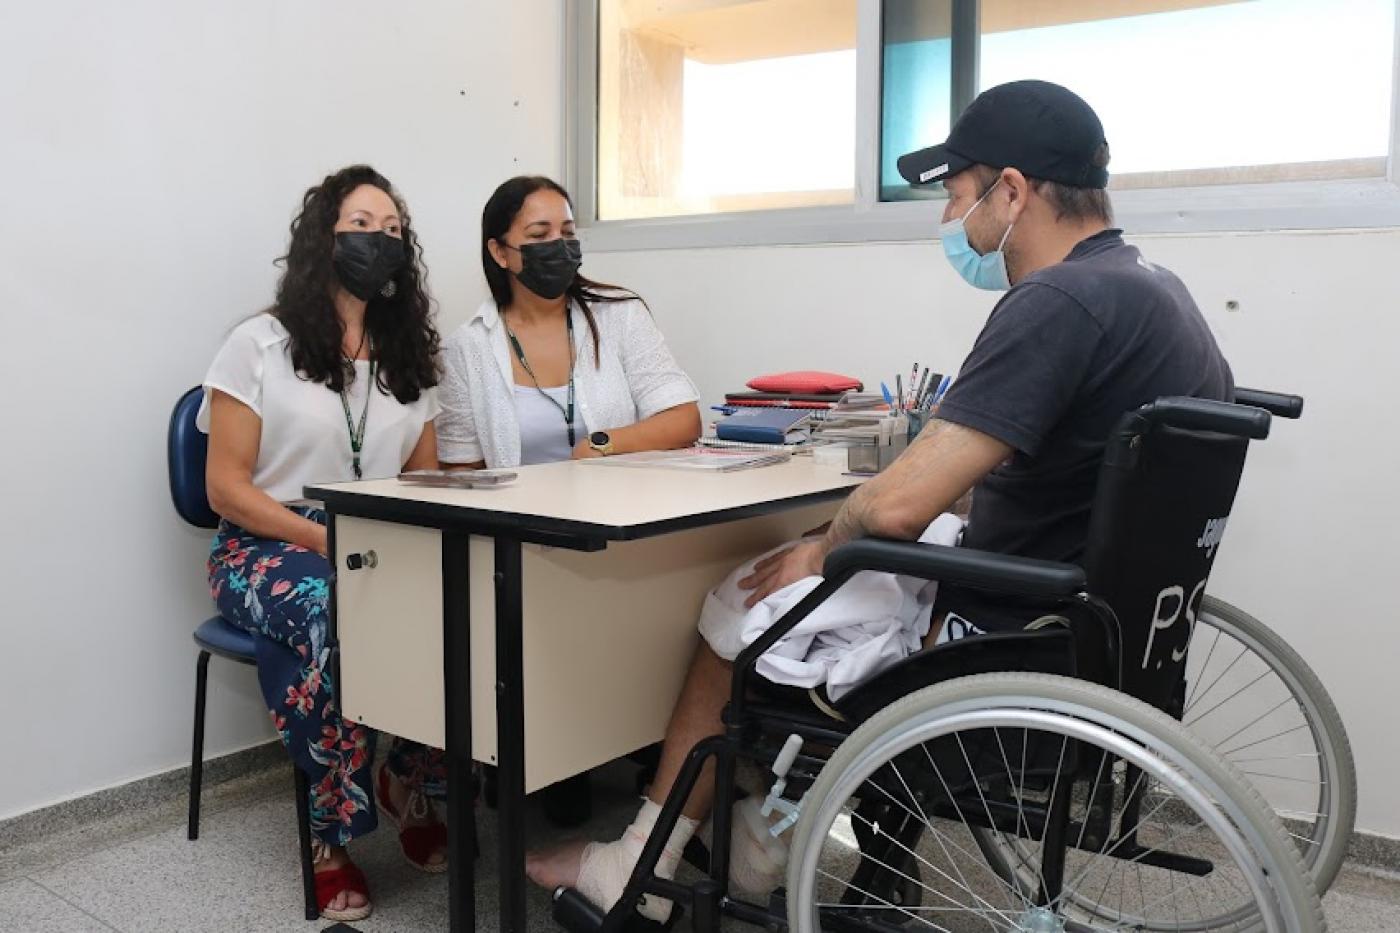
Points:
(305, 439)
(636, 377)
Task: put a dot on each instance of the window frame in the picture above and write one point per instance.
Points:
(1352, 203)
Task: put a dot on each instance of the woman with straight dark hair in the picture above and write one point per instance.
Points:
(553, 365)
(334, 382)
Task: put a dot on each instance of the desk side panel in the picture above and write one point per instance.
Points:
(389, 618)
(609, 636)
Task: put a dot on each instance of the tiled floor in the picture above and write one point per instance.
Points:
(137, 873)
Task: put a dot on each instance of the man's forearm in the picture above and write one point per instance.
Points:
(941, 465)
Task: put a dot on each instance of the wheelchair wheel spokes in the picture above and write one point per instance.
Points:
(958, 809)
(1256, 702)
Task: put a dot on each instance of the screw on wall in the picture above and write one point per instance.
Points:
(1232, 305)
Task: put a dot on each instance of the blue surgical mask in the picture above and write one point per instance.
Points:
(981, 270)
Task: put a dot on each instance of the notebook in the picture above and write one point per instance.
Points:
(703, 459)
(764, 426)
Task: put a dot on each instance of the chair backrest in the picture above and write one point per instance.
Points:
(187, 449)
(1165, 490)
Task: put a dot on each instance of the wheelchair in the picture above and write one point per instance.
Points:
(1260, 706)
(1037, 779)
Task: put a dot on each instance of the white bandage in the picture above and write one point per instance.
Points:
(606, 866)
(757, 860)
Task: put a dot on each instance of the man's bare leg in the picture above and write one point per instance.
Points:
(695, 717)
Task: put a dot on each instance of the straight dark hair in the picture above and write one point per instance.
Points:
(500, 212)
(400, 328)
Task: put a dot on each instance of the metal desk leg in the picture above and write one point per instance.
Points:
(510, 735)
(457, 697)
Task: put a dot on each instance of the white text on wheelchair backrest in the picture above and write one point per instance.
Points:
(1215, 530)
(1172, 604)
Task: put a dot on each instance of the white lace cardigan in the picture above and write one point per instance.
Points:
(636, 377)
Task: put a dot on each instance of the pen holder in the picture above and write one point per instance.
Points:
(884, 448)
(917, 420)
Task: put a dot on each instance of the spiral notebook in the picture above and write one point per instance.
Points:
(702, 459)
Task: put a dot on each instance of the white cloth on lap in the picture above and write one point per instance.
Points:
(870, 623)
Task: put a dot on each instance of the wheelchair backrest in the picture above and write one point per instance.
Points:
(1166, 487)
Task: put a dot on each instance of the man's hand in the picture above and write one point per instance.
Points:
(778, 570)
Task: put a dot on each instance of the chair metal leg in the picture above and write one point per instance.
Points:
(308, 872)
(201, 685)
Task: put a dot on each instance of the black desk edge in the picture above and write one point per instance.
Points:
(535, 529)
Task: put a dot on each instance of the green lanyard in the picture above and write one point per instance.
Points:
(357, 435)
(567, 412)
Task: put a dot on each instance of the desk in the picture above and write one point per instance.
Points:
(532, 601)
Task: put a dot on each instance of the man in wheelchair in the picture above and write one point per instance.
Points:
(1088, 329)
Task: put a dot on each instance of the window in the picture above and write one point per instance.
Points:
(716, 118)
(714, 107)
(916, 80)
(1189, 91)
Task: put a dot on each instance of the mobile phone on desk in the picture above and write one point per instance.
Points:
(458, 479)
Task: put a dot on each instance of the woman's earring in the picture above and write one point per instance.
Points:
(389, 290)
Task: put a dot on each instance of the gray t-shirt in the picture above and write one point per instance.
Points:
(1063, 356)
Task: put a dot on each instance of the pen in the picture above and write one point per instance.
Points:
(899, 390)
(919, 395)
(942, 387)
(889, 399)
(913, 380)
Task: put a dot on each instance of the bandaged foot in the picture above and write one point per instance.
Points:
(600, 870)
(757, 859)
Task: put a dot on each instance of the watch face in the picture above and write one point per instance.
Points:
(599, 438)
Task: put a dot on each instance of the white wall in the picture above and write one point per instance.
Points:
(151, 156)
(1312, 539)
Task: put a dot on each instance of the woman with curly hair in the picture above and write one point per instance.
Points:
(334, 382)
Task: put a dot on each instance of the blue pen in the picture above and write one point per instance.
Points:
(935, 393)
(889, 399)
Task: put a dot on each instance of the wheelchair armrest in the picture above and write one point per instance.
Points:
(980, 570)
(1275, 403)
(1199, 414)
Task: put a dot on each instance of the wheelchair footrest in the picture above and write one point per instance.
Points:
(578, 914)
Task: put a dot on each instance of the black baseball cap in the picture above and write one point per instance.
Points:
(1045, 130)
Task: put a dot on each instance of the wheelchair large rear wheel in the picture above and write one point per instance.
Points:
(1044, 765)
(1257, 703)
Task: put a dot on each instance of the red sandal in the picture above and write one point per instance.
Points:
(347, 878)
(417, 842)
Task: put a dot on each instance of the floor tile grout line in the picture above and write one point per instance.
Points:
(103, 923)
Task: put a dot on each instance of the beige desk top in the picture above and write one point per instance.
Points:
(607, 502)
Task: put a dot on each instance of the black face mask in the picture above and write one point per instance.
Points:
(365, 262)
(548, 268)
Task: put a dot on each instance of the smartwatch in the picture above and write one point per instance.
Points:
(601, 442)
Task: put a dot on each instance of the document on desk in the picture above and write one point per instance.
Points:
(702, 459)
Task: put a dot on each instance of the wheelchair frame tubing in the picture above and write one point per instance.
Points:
(643, 879)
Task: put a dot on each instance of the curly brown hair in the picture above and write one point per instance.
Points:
(400, 327)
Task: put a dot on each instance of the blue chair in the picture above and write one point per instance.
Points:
(187, 448)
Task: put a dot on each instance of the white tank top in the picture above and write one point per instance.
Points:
(544, 438)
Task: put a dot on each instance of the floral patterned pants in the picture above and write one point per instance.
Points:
(281, 591)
